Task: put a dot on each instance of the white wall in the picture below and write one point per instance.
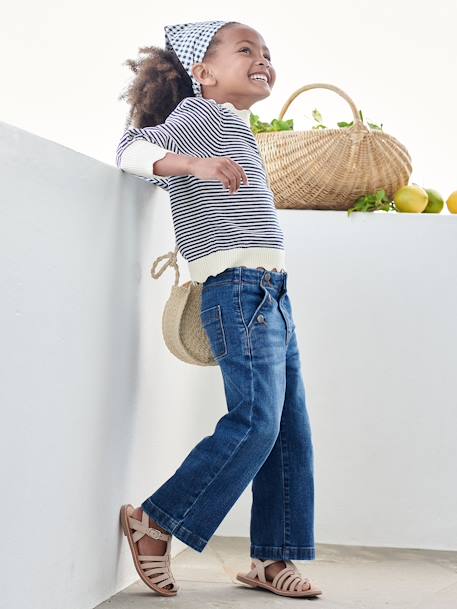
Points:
(87, 387)
(90, 395)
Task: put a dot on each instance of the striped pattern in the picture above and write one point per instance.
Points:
(208, 219)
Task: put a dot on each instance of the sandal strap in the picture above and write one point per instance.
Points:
(289, 579)
(258, 570)
(142, 528)
(158, 566)
(161, 580)
(155, 568)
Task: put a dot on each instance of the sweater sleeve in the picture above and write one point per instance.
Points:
(139, 148)
(194, 122)
(139, 158)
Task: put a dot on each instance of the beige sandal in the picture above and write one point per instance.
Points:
(287, 582)
(148, 565)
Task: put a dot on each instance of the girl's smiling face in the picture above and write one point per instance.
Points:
(227, 74)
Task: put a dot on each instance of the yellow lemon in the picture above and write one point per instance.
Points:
(452, 202)
(411, 198)
(435, 202)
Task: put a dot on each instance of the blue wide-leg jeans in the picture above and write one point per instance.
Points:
(265, 436)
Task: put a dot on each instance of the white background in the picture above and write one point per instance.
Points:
(62, 68)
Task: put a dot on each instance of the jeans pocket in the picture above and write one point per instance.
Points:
(252, 300)
(212, 322)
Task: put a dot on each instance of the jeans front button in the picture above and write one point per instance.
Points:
(260, 318)
(267, 276)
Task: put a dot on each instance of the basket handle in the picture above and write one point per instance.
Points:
(358, 123)
(171, 262)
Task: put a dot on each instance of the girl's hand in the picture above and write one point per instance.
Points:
(219, 168)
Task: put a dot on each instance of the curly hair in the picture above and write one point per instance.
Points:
(160, 83)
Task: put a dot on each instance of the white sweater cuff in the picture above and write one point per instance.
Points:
(139, 158)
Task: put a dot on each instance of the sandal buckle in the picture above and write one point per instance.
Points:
(155, 533)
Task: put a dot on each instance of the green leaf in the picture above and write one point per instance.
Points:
(372, 202)
(258, 126)
(344, 124)
(374, 126)
(317, 115)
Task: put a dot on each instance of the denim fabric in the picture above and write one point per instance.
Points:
(265, 436)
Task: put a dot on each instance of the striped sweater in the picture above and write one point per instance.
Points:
(214, 229)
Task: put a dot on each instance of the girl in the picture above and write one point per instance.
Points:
(191, 136)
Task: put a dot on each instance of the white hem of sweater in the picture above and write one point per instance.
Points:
(139, 158)
(252, 257)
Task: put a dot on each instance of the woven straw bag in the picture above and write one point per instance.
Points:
(182, 329)
(331, 168)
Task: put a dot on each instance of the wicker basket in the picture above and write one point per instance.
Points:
(331, 168)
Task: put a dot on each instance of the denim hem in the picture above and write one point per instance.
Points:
(173, 526)
(283, 552)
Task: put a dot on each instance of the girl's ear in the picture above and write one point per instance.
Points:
(203, 74)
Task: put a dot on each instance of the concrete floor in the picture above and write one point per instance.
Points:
(352, 577)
